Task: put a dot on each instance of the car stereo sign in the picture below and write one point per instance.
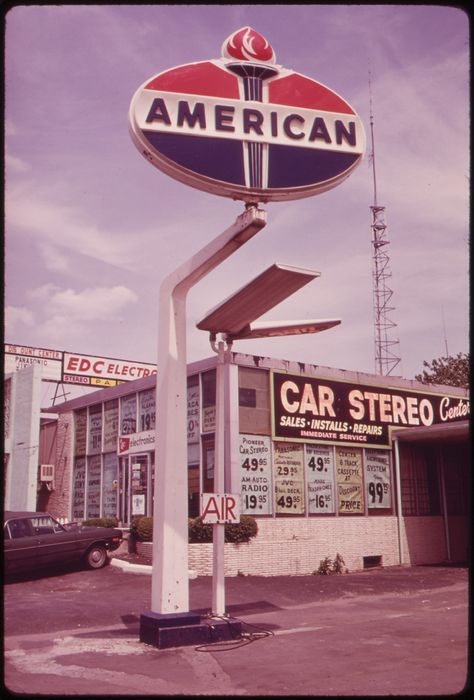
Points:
(317, 409)
(243, 127)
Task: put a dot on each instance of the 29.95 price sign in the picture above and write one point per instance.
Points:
(255, 475)
(377, 478)
(289, 481)
(319, 466)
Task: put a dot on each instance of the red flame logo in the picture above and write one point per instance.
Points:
(248, 45)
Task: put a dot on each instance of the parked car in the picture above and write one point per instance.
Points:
(33, 540)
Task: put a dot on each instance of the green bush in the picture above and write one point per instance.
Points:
(141, 528)
(101, 522)
(234, 532)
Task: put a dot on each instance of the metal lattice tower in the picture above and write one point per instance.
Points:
(387, 347)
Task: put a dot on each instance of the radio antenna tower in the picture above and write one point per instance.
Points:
(386, 346)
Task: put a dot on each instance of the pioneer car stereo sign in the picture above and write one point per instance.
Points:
(244, 127)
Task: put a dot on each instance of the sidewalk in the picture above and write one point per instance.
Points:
(387, 631)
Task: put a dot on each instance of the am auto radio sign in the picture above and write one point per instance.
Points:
(315, 409)
(244, 127)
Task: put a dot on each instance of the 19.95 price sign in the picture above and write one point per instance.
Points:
(319, 465)
(255, 475)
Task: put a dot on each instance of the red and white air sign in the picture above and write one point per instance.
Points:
(220, 508)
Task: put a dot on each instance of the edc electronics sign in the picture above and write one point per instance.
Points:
(88, 370)
(315, 409)
(243, 127)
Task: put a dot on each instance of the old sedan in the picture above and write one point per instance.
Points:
(33, 540)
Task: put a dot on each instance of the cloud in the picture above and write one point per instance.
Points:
(101, 303)
(16, 317)
(62, 231)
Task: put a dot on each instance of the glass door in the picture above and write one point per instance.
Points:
(139, 485)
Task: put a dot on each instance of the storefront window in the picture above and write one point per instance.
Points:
(80, 432)
(319, 467)
(95, 430)
(93, 487)
(147, 410)
(111, 421)
(377, 479)
(78, 488)
(288, 474)
(349, 478)
(419, 481)
(110, 485)
(128, 415)
(208, 380)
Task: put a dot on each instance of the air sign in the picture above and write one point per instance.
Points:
(243, 127)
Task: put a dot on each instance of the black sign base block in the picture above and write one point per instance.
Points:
(182, 629)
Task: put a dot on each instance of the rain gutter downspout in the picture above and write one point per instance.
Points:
(399, 498)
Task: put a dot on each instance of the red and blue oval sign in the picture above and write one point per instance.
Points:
(246, 128)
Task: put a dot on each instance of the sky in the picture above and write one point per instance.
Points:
(92, 228)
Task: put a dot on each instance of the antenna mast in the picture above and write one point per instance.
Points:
(386, 347)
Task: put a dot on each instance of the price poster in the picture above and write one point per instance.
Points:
(255, 475)
(95, 431)
(79, 488)
(93, 486)
(147, 408)
(319, 467)
(111, 422)
(110, 485)
(193, 414)
(128, 415)
(377, 478)
(349, 480)
(288, 470)
(80, 432)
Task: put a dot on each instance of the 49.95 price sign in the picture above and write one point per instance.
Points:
(289, 481)
(255, 475)
(319, 465)
(377, 478)
(349, 480)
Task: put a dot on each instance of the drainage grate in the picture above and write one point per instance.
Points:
(372, 561)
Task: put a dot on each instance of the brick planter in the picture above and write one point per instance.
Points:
(145, 549)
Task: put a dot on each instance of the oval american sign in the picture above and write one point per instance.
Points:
(246, 128)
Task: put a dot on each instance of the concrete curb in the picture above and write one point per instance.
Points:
(139, 568)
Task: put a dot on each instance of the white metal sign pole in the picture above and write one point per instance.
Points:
(170, 580)
(218, 533)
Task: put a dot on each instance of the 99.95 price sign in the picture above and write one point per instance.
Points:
(289, 480)
(377, 478)
(319, 465)
(255, 475)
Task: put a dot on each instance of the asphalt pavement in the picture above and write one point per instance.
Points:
(396, 631)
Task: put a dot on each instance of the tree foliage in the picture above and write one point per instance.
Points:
(453, 371)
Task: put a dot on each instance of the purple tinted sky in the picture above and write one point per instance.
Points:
(92, 228)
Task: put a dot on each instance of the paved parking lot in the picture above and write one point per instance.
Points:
(399, 631)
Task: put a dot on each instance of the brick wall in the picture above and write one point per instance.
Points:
(59, 500)
(296, 546)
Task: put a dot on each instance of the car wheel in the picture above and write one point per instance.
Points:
(96, 557)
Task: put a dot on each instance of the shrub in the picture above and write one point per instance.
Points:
(141, 528)
(234, 532)
(327, 566)
(198, 531)
(101, 522)
(243, 531)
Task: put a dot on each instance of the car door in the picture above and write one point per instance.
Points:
(20, 545)
(55, 544)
